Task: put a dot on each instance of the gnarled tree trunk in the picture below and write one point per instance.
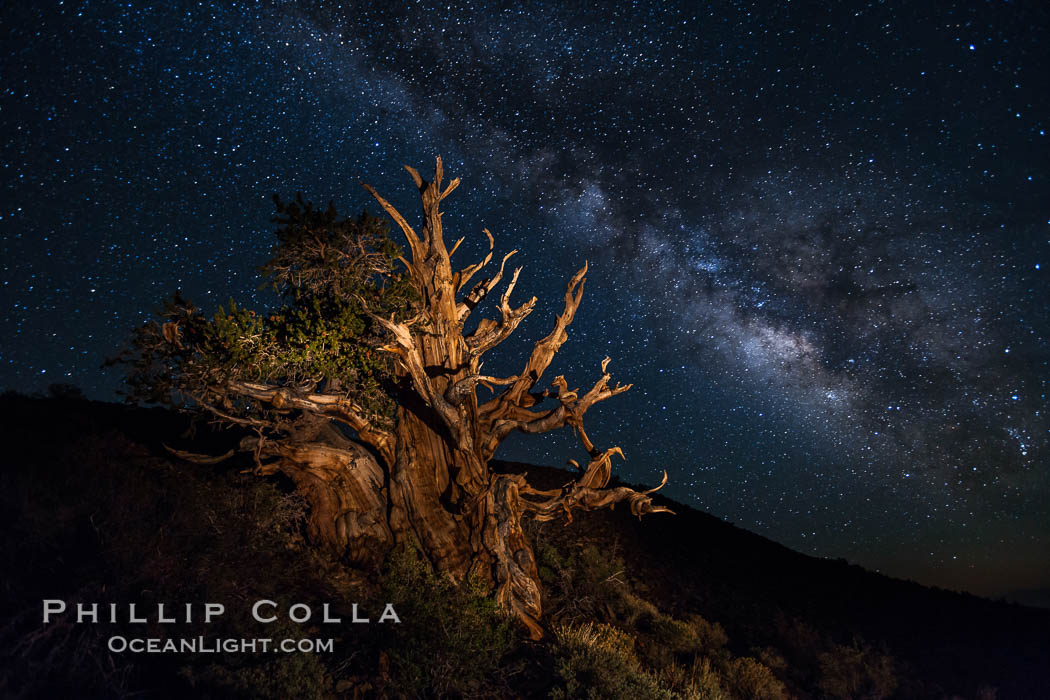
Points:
(429, 479)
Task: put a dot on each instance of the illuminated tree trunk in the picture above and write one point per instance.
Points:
(430, 480)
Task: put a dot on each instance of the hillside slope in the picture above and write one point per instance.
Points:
(93, 508)
(760, 590)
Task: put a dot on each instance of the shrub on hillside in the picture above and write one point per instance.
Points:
(599, 661)
(857, 672)
(452, 639)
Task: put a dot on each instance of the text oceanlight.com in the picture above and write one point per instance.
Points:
(202, 645)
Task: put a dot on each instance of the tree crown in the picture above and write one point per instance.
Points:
(331, 272)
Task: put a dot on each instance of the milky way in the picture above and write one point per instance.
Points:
(817, 236)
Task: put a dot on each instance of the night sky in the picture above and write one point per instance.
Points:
(819, 236)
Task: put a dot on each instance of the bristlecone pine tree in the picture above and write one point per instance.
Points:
(380, 350)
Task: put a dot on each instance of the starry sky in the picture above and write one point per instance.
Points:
(819, 233)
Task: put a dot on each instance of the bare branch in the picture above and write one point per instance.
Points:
(199, 458)
(534, 424)
(589, 493)
(455, 246)
(463, 276)
(489, 334)
(326, 404)
(593, 499)
(663, 483)
(461, 389)
(543, 352)
(570, 411)
(451, 186)
(485, 287)
(430, 194)
(250, 422)
(414, 244)
(600, 391)
(417, 178)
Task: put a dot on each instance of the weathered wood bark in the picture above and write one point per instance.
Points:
(430, 480)
(345, 491)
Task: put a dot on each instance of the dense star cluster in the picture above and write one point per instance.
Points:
(818, 236)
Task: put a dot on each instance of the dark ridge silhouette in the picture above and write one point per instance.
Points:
(1034, 597)
(695, 562)
(94, 508)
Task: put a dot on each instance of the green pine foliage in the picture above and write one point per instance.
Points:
(333, 275)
